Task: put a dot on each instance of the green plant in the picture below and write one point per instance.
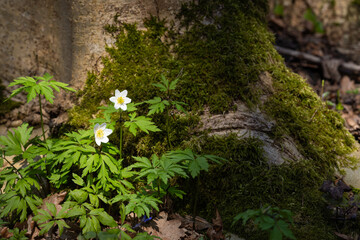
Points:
(271, 219)
(194, 163)
(17, 234)
(39, 86)
(279, 10)
(50, 218)
(158, 105)
(310, 16)
(158, 171)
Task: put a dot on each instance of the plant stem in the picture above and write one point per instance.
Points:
(12, 165)
(168, 130)
(195, 200)
(121, 133)
(41, 117)
(159, 182)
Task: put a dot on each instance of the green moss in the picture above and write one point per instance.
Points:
(299, 112)
(247, 182)
(216, 70)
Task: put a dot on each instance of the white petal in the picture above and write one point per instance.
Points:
(97, 140)
(123, 107)
(123, 93)
(117, 105)
(107, 132)
(127, 100)
(103, 126)
(96, 127)
(105, 139)
(113, 99)
(117, 93)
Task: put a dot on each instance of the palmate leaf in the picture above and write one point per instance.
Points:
(194, 162)
(158, 168)
(157, 105)
(14, 143)
(140, 123)
(38, 85)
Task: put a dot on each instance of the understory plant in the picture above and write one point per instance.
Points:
(270, 219)
(100, 190)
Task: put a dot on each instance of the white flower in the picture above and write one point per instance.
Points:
(101, 133)
(120, 99)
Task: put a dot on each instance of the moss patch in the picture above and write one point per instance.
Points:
(246, 181)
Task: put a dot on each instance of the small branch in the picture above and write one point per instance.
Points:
(344, 66)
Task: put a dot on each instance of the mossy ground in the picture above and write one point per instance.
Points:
(224, 48)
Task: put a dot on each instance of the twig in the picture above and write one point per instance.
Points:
(344, 66)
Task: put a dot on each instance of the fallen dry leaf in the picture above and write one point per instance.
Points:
(4, 233)
(215, 233)
(55, 199)
(165, 229)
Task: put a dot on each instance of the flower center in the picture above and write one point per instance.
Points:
(100, 133)
(120, 100)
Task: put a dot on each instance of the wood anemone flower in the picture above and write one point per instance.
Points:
(120, 100)
(101, 133)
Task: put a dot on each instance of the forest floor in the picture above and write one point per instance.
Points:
(331, 74)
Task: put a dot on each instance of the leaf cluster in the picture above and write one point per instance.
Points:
(271, 219)
(42, 85)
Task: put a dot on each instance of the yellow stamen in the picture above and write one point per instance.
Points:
(100, 133)
(120, 100)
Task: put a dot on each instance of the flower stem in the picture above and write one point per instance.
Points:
(12, 165)
(41, 118)
(121, 133)
(195, 200)
(168, 130)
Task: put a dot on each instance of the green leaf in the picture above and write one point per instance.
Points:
(283, 226)
(61, 224)
(52, 208)
(143, 123)
(279, 10)
(173, 84)
(78, 180)
(79, 195)
(110, 163)
(275, 234)
(94, 200)
(46, 227)
(15, 141)
(95, 224)
(106, 219)
(197, 165)
(164, 81)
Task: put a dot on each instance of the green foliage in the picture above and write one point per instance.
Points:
(279, 10)
(247, 181)
(140, 123)
(15, 142)
(310, 16)
(47, 219)
(139, 204)
(271, 219)
(162, 168)
(17, 234)
(32, 87)
(194, 162)
(115, 234)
